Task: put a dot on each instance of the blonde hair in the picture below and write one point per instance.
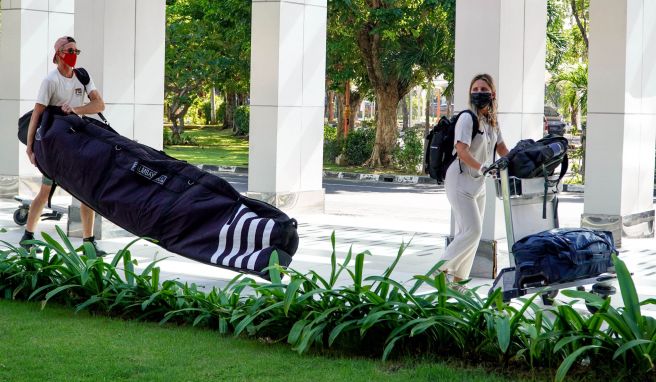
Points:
(491, 116)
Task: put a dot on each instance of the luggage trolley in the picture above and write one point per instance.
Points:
(531, 206)
(20, 214)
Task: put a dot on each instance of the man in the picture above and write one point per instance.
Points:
(61, 88)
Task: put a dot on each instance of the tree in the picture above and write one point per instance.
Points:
(344, 68)
(186, 63)
(396, 41)
(229, 25)
(208, 45)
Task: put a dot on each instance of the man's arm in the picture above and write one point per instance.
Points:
(97, 105)
(31, 131)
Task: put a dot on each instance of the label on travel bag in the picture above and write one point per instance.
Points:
(148, 173)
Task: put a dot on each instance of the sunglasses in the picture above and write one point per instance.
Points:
(71, 51)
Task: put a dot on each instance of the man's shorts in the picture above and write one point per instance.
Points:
(46, 181)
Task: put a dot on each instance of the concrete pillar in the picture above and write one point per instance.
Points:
(288, 55)
(506, 39)
(123, 50)
(29, 31)
(621, 127)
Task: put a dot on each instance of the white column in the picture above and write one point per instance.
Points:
(288, 54)
(621, 118)
(29, 31)
(123, 50)
(506, 39)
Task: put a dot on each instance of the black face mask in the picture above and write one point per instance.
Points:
(481, 100)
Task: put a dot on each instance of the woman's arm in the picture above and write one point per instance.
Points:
(465, 156)
(502, 150)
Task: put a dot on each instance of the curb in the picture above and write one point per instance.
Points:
(382, 178)
(573, 188)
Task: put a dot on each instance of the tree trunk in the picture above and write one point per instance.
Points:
(574, 115)
(331, 106)
(354, 105)
(449, 106)
(213, 106)
(387, 100)
(427, 126)
(339, 112)
(405, 112)
(580, 24)
(229, 111)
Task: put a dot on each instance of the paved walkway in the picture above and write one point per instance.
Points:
(380, 230)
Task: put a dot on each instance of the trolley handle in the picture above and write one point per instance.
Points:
(501, 164)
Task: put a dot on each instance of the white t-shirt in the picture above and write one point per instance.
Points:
(482, 146)
(57, 90)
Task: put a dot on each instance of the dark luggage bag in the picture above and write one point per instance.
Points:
(562, 255)
(188, 211)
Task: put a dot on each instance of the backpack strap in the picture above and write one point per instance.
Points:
(475, 129)
(85, 78)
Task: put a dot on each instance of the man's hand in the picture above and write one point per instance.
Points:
(66, 108)
(30, 154)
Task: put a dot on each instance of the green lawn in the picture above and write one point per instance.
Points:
(217, 147)
(221, 148)
(55, 344)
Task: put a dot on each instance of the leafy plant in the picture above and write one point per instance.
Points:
(409, 153)
(242, 115)
(359, 145)
(345, 309)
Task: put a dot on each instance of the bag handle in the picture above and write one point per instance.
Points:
(84, 78)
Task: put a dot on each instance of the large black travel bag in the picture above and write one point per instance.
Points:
(188, 211)
(562, 255)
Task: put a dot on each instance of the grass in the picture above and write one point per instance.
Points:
(221, 148)
(55, 344)
(217, 147)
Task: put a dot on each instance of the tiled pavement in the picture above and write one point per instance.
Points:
(379, 236)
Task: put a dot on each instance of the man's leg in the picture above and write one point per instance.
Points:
(87, 216)
(36, 208)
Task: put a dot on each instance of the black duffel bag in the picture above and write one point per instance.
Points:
(530, 159)
(562, 255)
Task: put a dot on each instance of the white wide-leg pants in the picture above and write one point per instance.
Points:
(466, 194)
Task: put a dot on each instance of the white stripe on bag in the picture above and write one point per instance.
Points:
(266, 242)
(251, 242)
(236, 238)
(223, 235)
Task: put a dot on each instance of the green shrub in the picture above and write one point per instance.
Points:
(220, 112)
(331, 147)
(242, 115)
(410, 152)
(206, 109)
(359, 145)
(184, 140)
(370, 315)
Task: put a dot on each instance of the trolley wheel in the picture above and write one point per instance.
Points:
(20, 216)
(548, 297)
(602, 290)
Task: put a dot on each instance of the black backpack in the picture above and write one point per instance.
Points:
(24, 121)
(439, 150)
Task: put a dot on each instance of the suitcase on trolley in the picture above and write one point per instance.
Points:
(186, 210)
(562, 255)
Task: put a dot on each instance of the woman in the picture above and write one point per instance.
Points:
(465, 182)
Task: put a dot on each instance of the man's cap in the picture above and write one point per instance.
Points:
(59, 44)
